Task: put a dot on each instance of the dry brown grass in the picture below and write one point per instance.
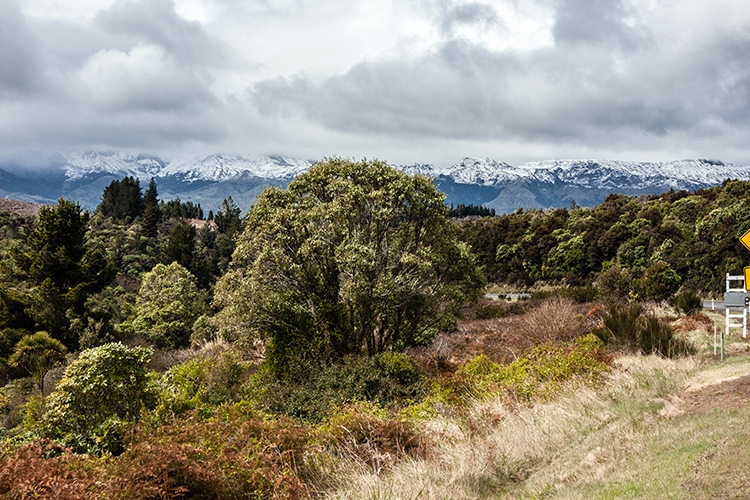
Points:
(507, 338)
(534, 451)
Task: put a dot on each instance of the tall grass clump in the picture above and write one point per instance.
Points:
(552, 320)
(688, 302)
(627, 328)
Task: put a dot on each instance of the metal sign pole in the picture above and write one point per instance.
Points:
(716, 346)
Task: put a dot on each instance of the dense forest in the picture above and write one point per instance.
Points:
(691, 235)
(143, 331)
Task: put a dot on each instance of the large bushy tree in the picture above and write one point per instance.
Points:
(353, 257)
(168, 304)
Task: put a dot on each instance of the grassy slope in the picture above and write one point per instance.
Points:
(656, 429)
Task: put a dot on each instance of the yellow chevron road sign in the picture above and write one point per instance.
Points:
(745, 240)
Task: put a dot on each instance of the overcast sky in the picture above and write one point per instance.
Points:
(405, 81)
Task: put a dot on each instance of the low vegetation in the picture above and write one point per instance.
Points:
(333, 344)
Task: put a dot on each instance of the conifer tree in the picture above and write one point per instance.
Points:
(151, 213)
(57, 271)
(122, 199)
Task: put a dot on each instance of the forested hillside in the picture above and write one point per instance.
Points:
(693, 234)
(147, 352)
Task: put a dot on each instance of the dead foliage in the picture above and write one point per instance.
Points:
(44, 469)
(233, 457)
(504, 339)
(696, 322)
(373, 442)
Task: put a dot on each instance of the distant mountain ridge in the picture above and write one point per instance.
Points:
(82, 176)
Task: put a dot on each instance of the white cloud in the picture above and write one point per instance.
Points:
(418, 80)
(145, 78)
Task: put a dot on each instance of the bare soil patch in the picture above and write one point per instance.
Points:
(730, 393)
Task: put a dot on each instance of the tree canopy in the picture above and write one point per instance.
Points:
(56, 272)
(168, 304)
(122, 199)
(353, 257)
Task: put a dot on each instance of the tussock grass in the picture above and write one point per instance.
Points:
(630, 437)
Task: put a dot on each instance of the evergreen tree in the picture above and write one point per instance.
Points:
(122, 199)
(57, 272)
(228, 217)
(151, 213)
(227, 226)
(181, 245)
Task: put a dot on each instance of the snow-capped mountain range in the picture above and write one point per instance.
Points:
(82, 176)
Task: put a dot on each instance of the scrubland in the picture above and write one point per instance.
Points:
(651, 427)
(525, 403)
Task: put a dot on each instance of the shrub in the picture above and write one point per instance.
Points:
(363, 433)
(101, 391)
(660, 281)
(13, 397)
(390, 379)
(615, 284)
(688, 302)
(537, 375)
(625, 327)
(579, 294)
(203, 384)
(489, 311)
(238, 454)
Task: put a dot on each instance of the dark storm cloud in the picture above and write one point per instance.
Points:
(546, 74)
(18, 57)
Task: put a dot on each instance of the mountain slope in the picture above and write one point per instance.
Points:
(82, 176)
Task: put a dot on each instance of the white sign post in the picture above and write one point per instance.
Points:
(735, 304)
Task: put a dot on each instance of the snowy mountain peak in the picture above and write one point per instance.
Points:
(215, 167)
(418, 169)
(483, 171)
(221, 167)
(79, 164)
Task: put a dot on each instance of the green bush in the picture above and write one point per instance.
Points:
(660, 282)
(202, 384)
(101, 391)
(616, 283)
(168, 304)
(390, 379)
(538, 374)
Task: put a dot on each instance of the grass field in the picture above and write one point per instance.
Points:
(656, 428)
